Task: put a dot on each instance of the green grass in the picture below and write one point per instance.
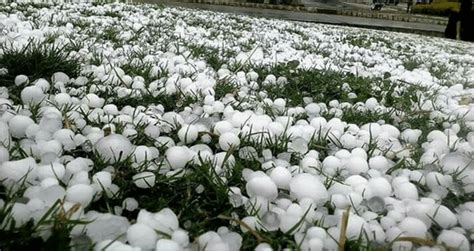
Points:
(35, 60)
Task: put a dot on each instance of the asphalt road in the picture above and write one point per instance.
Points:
(371, 23)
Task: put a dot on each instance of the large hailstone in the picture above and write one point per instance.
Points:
(114, 148)
(18, 125)
(262, 185)
(32, 95)
(178, 156)
(308, 186)
(141, 235)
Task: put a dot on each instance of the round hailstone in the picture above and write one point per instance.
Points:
(62, 99)
(454, 240)
(411, 135)
(168, 245)
(43, 84)
(222, 127)
(141, 235)
(18, 125)
(444, 217)
(228, 140)
(378, 187)
(281, 176)
(17, 170)
(181, 237)
(60, 77)
(80, 193)
(93, 101)
(406, 190)
(102, 179)
(53, 170)
(331, 165)
(356, 165)
(21, 80)
(51, 122)
(144, 179)
(262, 186)
(143, 154)
(114, 148)
(379, 163)
(178, 156)
(32, 95)
(308, 186)
(355, 226)
(413, 227)
(188, 134)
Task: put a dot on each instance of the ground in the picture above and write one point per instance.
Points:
(128, 127)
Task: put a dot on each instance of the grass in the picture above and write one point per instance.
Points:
(35, 60)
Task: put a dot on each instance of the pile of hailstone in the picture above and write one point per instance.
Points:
(78, 140)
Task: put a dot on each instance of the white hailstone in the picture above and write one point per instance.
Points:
(371, 103)
(5, 136)
(378, 187)
(413, 227)
(32, 95)
(141, 235)
(281, 176)
(21, 80)
(443, 217)
(102, 179)
(356, 165)
(406, 190)
(181, 237)
(359, 152)
(80, 193)
(130, 204)
(263, 247)
(331, 165)
(107, 227)
(51, 122)
(60, 77)
(66, 138)
(93, 101)
(166, 220)
(379, 163)
(466, 220)
(53, 170)
(178, 156)
(355, 226)
(4, 154)
(312, 109)
(188, 134)
(144, 179)
(168, 245)
(18, 125)
(114, 148)
(62, 99)
(435, 180)
(454, 240)
(18, 170)
(455, 162)
(262, 186)
(222, 127)
(348, 141)
(288, 221)
(152, 131)
(20, 213)
(143, 154)
(228, 140)
(308, 186)
(411, 136)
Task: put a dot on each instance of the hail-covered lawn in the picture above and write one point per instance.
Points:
(141, 127)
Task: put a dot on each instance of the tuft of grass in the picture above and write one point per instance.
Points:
(35, 60)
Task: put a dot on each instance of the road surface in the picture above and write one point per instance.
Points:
(371, 23)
